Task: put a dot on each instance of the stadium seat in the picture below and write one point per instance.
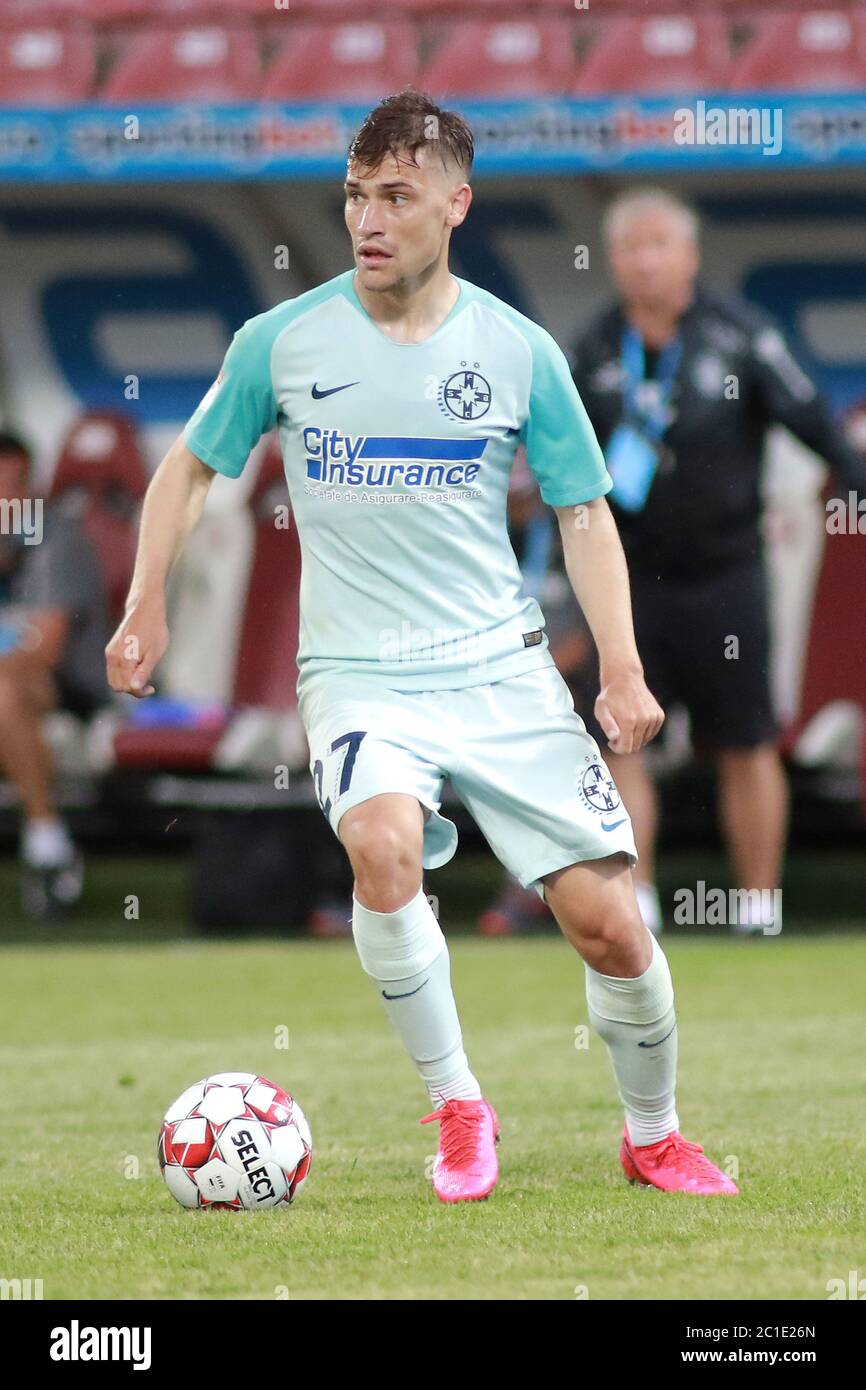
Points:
(656, 56)
(347, 62)
(204, 63)
(41, 12)
(124, 11)
(512, 58)
(46, 66)
(101, 476)
(818, 50)
(325, 10)
(747, 8)
(423, 8)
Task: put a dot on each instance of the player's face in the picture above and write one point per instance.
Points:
(400, 217)
(653, 257)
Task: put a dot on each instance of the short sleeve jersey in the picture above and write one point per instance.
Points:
(397, 458)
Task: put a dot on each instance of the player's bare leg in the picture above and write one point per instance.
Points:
(641, 800)
(631, 1006)
(24, 755)
(753, 805)
(402, 949)
(52, 866)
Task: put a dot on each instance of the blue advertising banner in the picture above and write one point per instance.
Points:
(727, 131)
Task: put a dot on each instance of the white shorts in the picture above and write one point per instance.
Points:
(516, 753)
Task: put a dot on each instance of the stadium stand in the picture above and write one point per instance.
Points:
(343, 61)
(46, 65)
(58, 51)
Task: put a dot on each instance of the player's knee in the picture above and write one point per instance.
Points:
(385, 857)
(612, 939)
(610, 926)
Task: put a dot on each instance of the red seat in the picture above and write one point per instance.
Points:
(215, 11)
(423, 8)
(101, 475)
(46, 65)
(510, 58)
(815, 51)
(109, 11)
(41, 12)
(748, 7)
(656, 56)
(266, 672)
(348, 62)
(324, 10)
(192, 63)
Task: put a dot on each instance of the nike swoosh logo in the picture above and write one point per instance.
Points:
(320, 395)
(605, 826)
(660, 1041)
(386, 995)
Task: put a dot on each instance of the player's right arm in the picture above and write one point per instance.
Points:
(173, 504)
(234, 414)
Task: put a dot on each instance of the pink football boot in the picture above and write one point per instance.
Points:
(673, 1165)
(466, 1168)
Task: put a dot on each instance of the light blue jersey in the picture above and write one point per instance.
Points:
(397, 458)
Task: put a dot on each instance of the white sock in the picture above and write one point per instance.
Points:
(406, 955)
(636, 1019)
(45, 842)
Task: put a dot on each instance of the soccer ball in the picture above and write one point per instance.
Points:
(235, 1140)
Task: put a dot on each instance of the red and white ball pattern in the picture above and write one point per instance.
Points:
(235, 1140)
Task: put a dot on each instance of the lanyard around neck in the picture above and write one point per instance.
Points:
(651, 414)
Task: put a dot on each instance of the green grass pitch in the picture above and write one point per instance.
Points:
(97, 1041)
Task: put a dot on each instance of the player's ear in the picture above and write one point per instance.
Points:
(458, 205)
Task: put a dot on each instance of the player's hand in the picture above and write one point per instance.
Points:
(629, 715)
(135, 649)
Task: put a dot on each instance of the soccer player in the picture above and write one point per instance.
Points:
(401, 394)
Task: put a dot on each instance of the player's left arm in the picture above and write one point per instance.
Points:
(594, 561)
(787, 396)
(563, 453)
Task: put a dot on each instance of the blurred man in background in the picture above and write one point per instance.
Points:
(681, 386)
(53, 626)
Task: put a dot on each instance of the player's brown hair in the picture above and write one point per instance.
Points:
(407, 121)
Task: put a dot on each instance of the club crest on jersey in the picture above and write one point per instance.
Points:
(465, 395)
(389, 461)
(598, 789)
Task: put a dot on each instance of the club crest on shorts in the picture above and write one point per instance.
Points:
(598, 789)
(466, 393)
